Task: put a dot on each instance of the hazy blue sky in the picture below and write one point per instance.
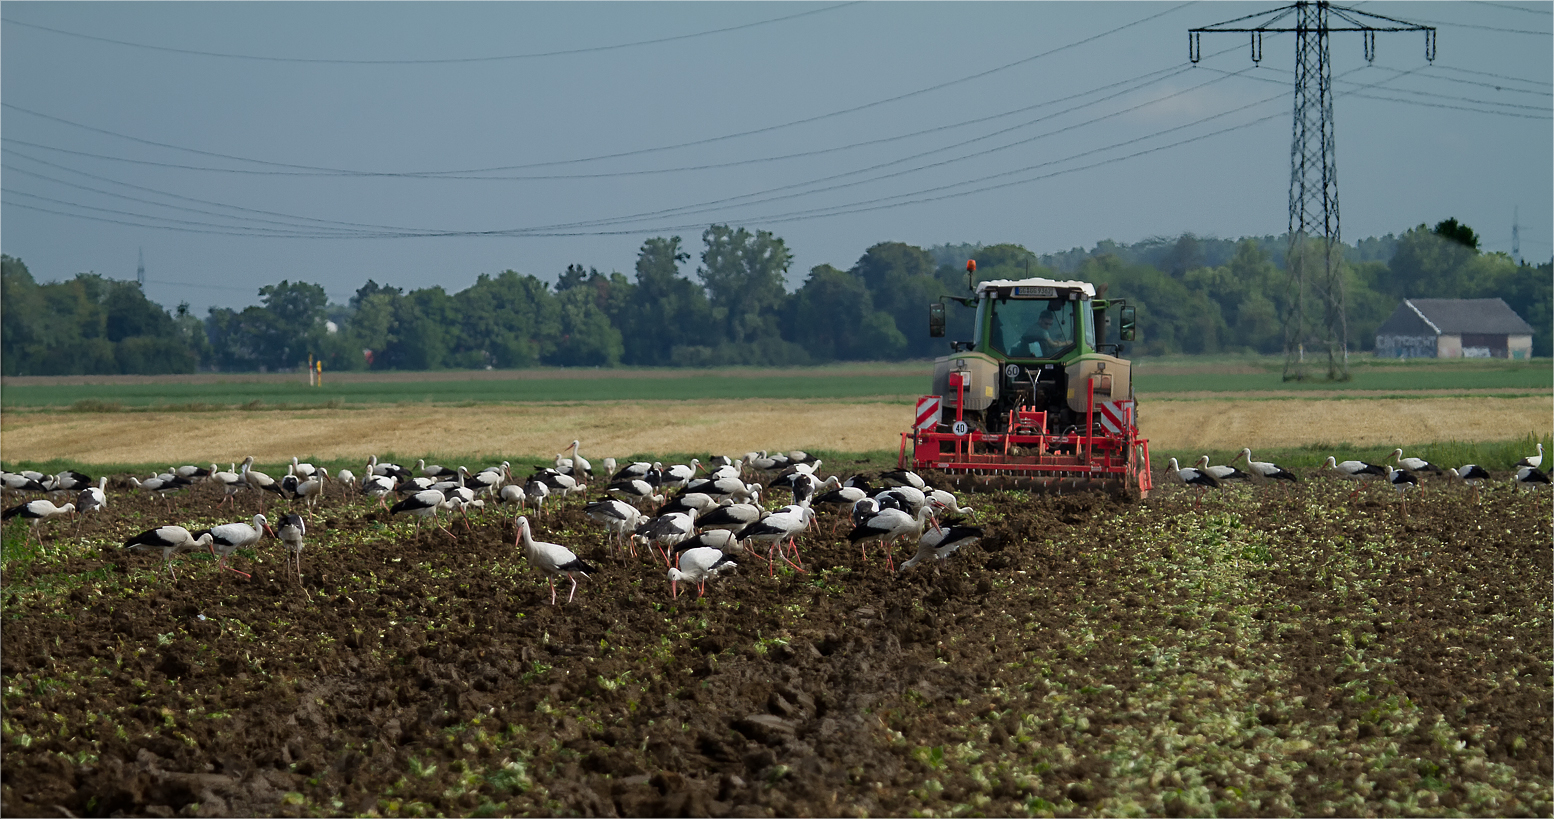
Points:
(243, 143)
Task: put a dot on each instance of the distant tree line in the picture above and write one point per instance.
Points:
(1194, 296)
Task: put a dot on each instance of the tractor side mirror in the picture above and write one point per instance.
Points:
(1125, 327)
(936, 319)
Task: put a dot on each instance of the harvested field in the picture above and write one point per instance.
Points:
(1270, 651)
(620, 428)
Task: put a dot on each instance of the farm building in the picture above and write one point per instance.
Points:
(1454, 328)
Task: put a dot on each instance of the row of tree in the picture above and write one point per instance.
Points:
(1194, 296)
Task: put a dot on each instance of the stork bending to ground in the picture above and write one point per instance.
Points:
(1470, 474)
(1415, 464)
(888, 525)
(229, 537)
(1194, 477)
(171, 541)
(697, 566)
(941, 543)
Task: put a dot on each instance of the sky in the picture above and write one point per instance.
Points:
(419, 144)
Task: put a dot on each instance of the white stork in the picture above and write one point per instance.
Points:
(1194, 477)
(1470, 474)
(1265, 469)
(1355, 471)
(1414, 464)
(435, 470)
(36, 512)
(1527, 476)
(424, 504)
(885, 527)
(171, 540)
(1534, 461)
(551, 558)
(290, 532)
(1402, 480)
(1221, 472)
(229, 537)
(777, 528)
(904, 477)
(697, 566)
(941, 543)
(619, 518)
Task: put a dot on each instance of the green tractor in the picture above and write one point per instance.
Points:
(1037, 392)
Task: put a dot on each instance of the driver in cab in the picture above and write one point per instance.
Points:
(1040, 339)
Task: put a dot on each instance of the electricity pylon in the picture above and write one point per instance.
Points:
(1313, 170)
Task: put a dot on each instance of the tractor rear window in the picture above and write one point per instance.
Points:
(1032, 328)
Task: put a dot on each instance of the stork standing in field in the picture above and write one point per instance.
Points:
(575, 465)
(886, 527)
(1534, 461)
(697, 566)
(159, 485)
(1527, 476)
(664, 531)
(347, 480)
(1223, 472)
(941, 543)
(229, 537)
(259, 481)
(1264, 469)
(1415, 464)
(380, 487)
(1402, 480)
(424, 504)
(775, 529)
(231, 482)
(553, 559)
(434, 471)
(171, 541)
(1355, 471)
(1194, 477)
(36, 512)
(290, 532)
(619, 519)
(1470, 474)
(92, 499)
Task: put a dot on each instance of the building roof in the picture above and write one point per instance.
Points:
(1453, 317)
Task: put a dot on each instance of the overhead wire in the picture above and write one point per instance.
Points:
(1144, 79)
(676, 146)
(1425, 104)
(443, 61)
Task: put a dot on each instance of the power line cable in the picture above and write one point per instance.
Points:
(1543, 12)
(446, 61)
(1488, 28)
(1482, 84)
(719, 203)
(261, 220)
(692, 143)
(1496, 76)
(1541, 108)
(181, 197)
(1423, 103)
(1168, 72)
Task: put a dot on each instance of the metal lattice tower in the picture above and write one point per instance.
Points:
(140, 270)
(1315, 314)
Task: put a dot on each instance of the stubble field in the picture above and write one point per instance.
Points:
(1268, 650)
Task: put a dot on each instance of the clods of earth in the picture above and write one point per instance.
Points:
(1263, 650)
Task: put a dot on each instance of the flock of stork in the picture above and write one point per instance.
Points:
(1403, 476)
(710, 519)
(700, 524)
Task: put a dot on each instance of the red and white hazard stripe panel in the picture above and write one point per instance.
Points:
(1115, 416)
(929, 408)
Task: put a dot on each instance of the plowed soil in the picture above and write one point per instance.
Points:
(1267, 650)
